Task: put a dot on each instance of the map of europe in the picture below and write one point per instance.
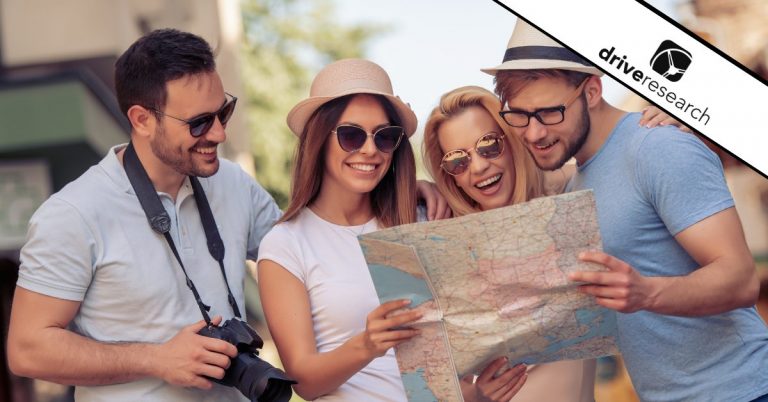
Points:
(492, 284)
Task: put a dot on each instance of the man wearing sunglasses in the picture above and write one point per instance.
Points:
(101, 301)
(677, 265)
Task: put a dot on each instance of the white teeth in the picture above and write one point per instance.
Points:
(489, 181)
(206, 150)
(363, 167)
(545, 146)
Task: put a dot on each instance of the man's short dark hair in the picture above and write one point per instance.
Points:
(156, 58)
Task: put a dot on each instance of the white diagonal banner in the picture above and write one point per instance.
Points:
(665, 65)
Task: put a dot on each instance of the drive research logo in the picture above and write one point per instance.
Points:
(671, 69)
(671, 61)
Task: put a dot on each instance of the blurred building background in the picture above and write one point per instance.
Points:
(58, 115)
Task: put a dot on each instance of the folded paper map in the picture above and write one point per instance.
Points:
(492, 284)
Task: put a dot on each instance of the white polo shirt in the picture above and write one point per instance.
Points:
(91, 243)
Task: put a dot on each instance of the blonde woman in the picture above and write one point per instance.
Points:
(478, 165)
(354, 173)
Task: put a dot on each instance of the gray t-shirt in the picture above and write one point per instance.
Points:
(91, 243)
(650, 184)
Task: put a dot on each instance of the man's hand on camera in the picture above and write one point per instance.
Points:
(187, 358)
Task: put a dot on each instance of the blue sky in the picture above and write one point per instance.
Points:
(438, 45)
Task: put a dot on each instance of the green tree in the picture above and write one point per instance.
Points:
(286, 43)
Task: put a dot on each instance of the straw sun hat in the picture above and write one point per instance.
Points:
(346, 77)
(530, 49)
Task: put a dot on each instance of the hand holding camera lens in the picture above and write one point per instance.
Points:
(255, 378)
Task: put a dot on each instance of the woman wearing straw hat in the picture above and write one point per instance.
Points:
(354, 173)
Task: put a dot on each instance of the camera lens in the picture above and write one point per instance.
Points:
(255, 378)
(258, 380)
(277, 390)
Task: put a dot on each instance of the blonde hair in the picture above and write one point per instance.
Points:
(528, 177)
(393, 200)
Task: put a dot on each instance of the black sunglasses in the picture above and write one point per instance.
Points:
(489, 146)
(352, 138)
(201, 124)
(548, 116)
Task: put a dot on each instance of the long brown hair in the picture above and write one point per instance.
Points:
(528, 177)
(393, 200)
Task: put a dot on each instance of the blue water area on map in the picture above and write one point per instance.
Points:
(600, 323)
(417, 388)
(392, 283)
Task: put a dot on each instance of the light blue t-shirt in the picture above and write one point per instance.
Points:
(651, 184)
(91, 243)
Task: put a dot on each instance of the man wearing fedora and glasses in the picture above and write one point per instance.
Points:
(677, 265)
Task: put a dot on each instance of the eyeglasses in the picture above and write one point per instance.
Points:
(547, 115)
(352, 138)
(489, 146)
(201, 124)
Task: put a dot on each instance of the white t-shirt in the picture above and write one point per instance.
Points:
(327, 259)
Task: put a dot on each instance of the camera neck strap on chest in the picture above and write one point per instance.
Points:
(160, 222)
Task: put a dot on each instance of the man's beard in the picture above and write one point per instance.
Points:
(582, 132)
(178, 159)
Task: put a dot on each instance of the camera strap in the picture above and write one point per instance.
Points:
(160, 222)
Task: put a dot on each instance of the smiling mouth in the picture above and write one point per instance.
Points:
(363, 167)
(546, 146)
(488, 182)
(205, 150)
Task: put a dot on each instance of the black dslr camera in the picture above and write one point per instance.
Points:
(255, 378)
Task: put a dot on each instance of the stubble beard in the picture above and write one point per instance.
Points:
(582, 132)
(177, 158)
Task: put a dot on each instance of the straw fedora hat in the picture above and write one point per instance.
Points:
(529, 49)
(346, 77)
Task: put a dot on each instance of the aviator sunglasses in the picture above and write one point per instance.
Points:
(352, 138)
(201, 124)
(489, 146)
